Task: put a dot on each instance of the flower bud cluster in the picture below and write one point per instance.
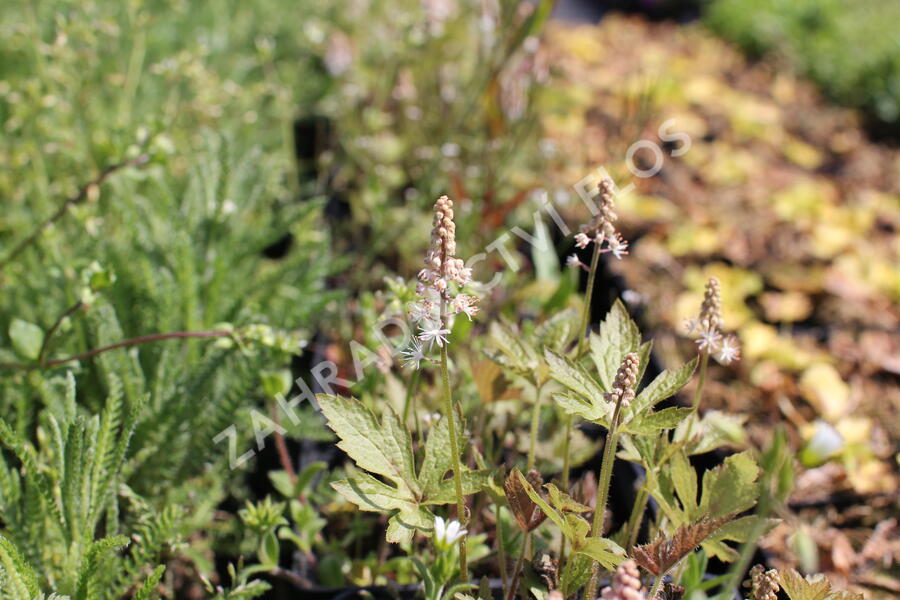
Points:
(708, 327)
(601, 228)
(626, 584)
(625, 382)
(711, 309)
(763, 584)
(441, 279)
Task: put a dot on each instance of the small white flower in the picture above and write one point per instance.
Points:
(709, 340)
(464, 304)
(582, 240)
(573, 261)
(729, 350)
(423, 312)
(690, 325)
(414, 355)
(618, 246)
(447, 534)
(825, 442)
(431, 418)
(434, 335)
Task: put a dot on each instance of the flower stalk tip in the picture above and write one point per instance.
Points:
(626, 379)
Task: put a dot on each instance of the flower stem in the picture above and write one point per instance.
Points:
(655, 589)
(501, 553)
(698, 393)
(411, 387)
(603, 482)
(634, 521)
(585, 318)
(457, 468)
(535, 424)
(514, 582)
(588, 296)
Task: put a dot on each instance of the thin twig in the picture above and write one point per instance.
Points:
(514, 580)
(155, 337)
(297, 580)
(78, 198)
(284, 456)
(46, 343)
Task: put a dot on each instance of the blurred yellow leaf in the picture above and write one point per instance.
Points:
(786, 307)
(823, 388)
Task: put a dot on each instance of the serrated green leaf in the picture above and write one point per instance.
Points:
(438, 455)
(445, 493)
(374, 447)
(685, 479)
(575, 573)
(618, 336)
(649, 424)
(798, 587)
(665, 385)
(382, 448)
(729, 488)
(557, 331)
(578, 381)
(563, 502)
(605, 551)
(26, 338)
(371, 495)
(510, 349)
(574, 405)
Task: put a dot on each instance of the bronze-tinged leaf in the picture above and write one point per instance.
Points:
(528, 515)
(670, 591)
(662, 554)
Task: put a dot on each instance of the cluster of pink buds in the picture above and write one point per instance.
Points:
(625, 382)
(707, 327)
(763, 584)
(601, 230)
(626, 584)
(441, 280)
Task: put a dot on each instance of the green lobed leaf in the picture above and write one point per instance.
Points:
(729, 488)
(665, 385)
(382, 448)
(685, 479)
(618, 336)
(650, 423)
(510, 350)
(438, 454)
(605, 551)
(576, 379)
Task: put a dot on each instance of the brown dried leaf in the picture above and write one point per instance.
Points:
(662, 554)
(526, 512)
(670, 591)
(883, 548)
